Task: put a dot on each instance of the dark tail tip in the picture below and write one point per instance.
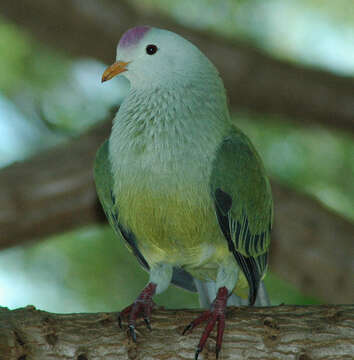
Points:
(252, 294)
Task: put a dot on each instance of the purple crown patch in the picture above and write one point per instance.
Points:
(133, 36)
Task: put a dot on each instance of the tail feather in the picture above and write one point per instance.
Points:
(262, 296)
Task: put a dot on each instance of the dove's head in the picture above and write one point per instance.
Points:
(149, 57)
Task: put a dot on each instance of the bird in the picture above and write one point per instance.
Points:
(181, 183)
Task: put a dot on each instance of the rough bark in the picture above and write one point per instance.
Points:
(283, 332)
(254, 80)
(54, 192)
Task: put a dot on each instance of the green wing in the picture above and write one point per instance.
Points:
(243, 204)
(104, 186)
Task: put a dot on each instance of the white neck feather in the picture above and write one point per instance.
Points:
(168, 134)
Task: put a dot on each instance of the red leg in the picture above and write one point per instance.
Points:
(215, 315)
(143, 304)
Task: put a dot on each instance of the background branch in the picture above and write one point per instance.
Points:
(254, 80)
(283, 332)
(54, 192)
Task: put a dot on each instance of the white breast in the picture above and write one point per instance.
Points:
(162, 142)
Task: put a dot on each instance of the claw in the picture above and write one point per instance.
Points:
(214, 316)
(197, 352)
(217, 351)
(187, 328)
(132, 332)
(197, 321)
(147, 322)
(143, 304)
(123, 313)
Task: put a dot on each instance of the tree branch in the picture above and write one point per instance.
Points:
(283, 332)
(312, 247)
(254, 80)
(54, 192)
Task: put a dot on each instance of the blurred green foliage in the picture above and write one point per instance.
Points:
(26, 65)
(315, 32)
(58, 97)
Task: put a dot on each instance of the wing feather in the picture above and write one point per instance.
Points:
(243, 205)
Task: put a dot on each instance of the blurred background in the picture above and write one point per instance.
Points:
(288, 66)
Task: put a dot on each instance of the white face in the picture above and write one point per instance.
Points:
(161, 57)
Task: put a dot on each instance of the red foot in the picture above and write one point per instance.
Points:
(215, 315)
(142, 304)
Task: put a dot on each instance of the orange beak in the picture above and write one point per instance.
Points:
(113, 70)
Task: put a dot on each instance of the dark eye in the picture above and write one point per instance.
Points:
(151, 49)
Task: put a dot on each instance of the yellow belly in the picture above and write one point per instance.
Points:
(180, 229)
